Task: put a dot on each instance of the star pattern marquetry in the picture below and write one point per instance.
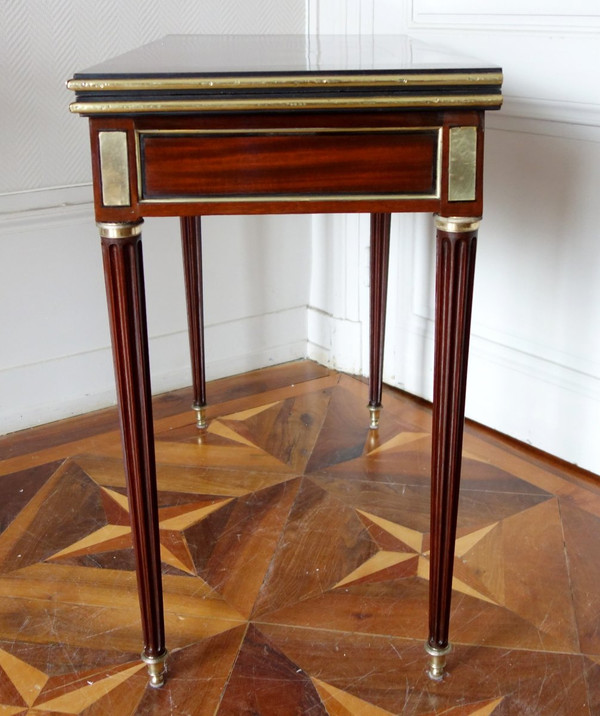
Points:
(34, 692)
(383, 564)
(173, 522)
(295, 553)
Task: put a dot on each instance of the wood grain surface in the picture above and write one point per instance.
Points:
(295, 559)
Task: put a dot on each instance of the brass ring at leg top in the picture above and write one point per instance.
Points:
(110, 230)
(156, 669)
(457, 223)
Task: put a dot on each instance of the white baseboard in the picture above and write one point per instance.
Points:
(521, 395)
(335, 342)
(553, 407)
(75, 384)
(55, 361)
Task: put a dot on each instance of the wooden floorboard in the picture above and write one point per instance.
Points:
(295, 559)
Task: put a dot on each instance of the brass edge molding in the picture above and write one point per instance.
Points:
(114, 230)
(286, 130)
(416, 79)
(457, 224)
(487, 101)
(274, 199)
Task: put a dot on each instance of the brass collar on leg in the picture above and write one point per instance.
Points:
(454, 224)
(110, 230)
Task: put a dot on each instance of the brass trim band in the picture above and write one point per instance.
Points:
(483, 101)
(275, 198)
(110, 230)
(416, 79)
(276, 129)
(457, 224)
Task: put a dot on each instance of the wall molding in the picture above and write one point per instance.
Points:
(340, 17)
(573, 114)
(419, 319)
(561, 370)
(577, 16)
(44, 219)
(498, 377)
(335, 342)
(63, 203)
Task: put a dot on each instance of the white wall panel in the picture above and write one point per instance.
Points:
(55, 357)
(340, 16)
(339, 291)
(43, 43)
(535, 366)
(535, 372)
(576, 15)
(54, 343)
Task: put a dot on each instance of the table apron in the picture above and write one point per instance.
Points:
(186, 166)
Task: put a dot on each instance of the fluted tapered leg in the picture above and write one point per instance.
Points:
(380, 253)
(123, 271)
(191, 241)
(455, 264)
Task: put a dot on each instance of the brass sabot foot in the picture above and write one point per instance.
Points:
(201, 421)
(437, 661)
(375, 413)
(157, 669)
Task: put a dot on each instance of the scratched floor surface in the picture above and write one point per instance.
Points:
(295, 559)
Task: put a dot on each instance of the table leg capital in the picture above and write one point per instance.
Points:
(119, 230)
(457, 224)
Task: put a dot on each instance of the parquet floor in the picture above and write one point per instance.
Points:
(295, 553)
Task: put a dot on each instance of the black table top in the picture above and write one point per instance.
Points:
(187, 72)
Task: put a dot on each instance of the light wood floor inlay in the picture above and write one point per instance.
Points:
(295, 552)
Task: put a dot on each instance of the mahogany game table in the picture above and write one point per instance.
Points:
(195, 125)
